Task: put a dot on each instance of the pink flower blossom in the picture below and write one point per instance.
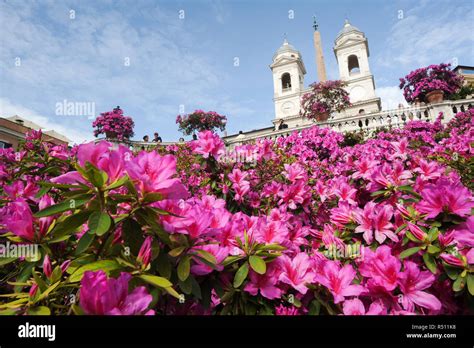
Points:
(412, 281)
(296, 271)
(356, 307)
(338, 280)
(102, 296)
(152, 172)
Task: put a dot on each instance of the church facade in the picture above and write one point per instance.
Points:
(288, 70)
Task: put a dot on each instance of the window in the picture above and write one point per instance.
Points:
(353, 65)
(4, 145)
(361, 111)
(286, 81)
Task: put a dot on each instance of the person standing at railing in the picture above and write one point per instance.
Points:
(146, 139)
(157, 138)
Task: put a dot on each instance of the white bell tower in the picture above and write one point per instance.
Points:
(352, 53)
(288, 84)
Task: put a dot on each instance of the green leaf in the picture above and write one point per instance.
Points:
(99, 223)
(152, 197)
(433, 249)
(378, 193)
(459, 284)
(206, 256)
(41, 310)
(160, 282)
(241, 274)
(84, 243)
(257, 264)
(6, 260)
(70, 224)
(132, 235)
(69, 204)
(451, 271)
(272, 247)
(44, 190)
(117, 183)
(104, 265)
(96, 176)
(186, 286)
(409, 252)
(176, 251)
(470, 283)
(164, 266)
(231, 259)
(430, 263)
(184, 268)
(48, 291)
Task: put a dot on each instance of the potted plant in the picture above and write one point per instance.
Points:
(430, 84)
(323, 99)
(114, 125)
(199, 121)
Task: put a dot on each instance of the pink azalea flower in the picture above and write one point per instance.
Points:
(464, 233)
(282, 310)
(102, 296)
(208, 144)
(428, 170)
(346, 193)
(296, 271)
(344, 214)
(265, 283)
(294, 194)
(381, 267)
(239, 184)
(412, 281)
(18, 219)
(294, 172)
(356, 307)
(272, 232)
(338, 280)
(152, 172)
(376, 220)
(445, 197)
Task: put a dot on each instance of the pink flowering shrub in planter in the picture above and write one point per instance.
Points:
(199, 121)
(420, 83)
(114, 125)
(324, 98)
(309, 226)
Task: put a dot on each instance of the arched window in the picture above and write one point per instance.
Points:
(361, 111)
(353, 65)
(286, 81)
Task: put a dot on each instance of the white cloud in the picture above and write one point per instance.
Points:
(430, 34)
(8, 109)
(391, 97)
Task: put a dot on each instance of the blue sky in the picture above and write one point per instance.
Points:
(189, 62)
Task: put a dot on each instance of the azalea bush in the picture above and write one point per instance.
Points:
(324, 98)
(313, 225)
(200, 120)
(421, 81)
(114, 124)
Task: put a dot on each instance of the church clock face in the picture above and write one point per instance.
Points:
(287, 107)
(357, 93)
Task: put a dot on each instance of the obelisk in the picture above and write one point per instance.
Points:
(321, 68)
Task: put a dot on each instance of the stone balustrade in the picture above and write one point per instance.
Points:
(396, 118)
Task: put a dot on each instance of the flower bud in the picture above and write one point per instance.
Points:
(144, 255)
(417, 232)
(453, 260)
(47, 270)
(65, 265)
